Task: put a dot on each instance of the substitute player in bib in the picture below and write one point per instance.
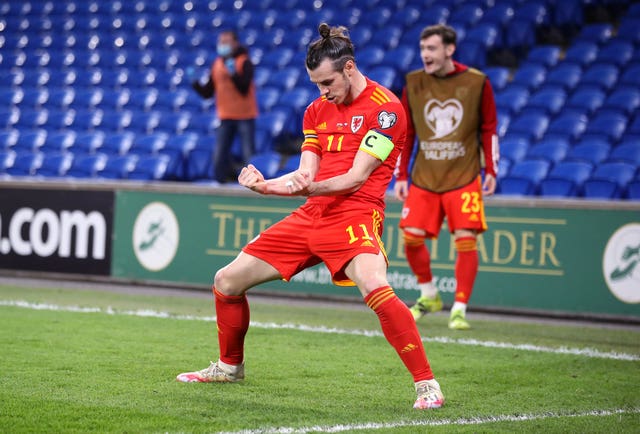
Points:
(353, 136)
(453, 113)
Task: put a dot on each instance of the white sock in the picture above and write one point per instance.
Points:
(459, 306)
(428, 290)
(233, 369)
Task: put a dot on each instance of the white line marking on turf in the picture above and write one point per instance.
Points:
(586, 352)
(439, 422)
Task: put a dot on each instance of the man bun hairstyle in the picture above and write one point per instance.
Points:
(333, 44)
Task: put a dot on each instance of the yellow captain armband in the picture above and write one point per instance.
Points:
(376, 144)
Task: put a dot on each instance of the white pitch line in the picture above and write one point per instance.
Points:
(586, 352)
(433, 423)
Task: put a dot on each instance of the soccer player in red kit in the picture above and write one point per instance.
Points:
(353, 136)
(453, 113)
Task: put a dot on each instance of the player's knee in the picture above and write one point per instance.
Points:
(412, 239)
(466, 244)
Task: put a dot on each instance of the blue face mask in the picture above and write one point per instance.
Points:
(223, 50)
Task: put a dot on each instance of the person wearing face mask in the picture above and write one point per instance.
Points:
(231, 84)
(452, 111)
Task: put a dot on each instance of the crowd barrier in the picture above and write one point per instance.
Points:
(552, 257)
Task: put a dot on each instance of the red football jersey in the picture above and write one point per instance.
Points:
(335, 131)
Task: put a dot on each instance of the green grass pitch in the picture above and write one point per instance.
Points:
(77, 361)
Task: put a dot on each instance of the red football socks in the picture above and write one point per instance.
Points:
(466, 268)
(232, 314)
(417, 255)
(399, 327)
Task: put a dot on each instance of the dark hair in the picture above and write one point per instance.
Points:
(231, 32)
(447, 33)
(334, 44)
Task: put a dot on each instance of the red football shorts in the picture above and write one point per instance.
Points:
(463, 208)
(314, 234)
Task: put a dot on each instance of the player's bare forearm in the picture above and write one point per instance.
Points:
(348, 182)
(290, 184)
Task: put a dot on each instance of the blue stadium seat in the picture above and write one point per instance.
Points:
(487, 34)
(370, 56)
(624, 99)
(531, 125)
(603, 75)
(626, 152)
(88, 142)
(568, 125)
(500, 13)
(142, 99)
(545, 55)
(549, 100)
(566, 179)
(116, 121)
(589, 98)
(178, 147)
(58, 142)
(7, 158)
(117, 143)
(609, 180)
(276, 122)
(471, 53)
(11, 95)
(30, 140)
(86, 99)
(284, 79)
(466, 15)
(520, 35)
(498, 76)
(60, 98)
(611, 126)
(535, 11)
(389, 39)
(629, 29)
(268, 163)
(552, 150)
(598, 33)
(291, 163)
(407, 16)
(86, 166)
(144, 122)
(360, 36)
(385, 75)
(25, 163)
(514, 149)
(591, 150)
(173, 122)
(117, 167)
(54, 164)
(377, 17)
(564, 74)
(148, 144)
(267, 97)
(277, 58)
(524, 177)
(115, 99)
(32, 118)
(512, 99)
(199, 162)
(9, 117)
(581, 53)
(173, 100)
(8, 138)
(567, 15)
(615, 52)
(33, 97)
(504, 120)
